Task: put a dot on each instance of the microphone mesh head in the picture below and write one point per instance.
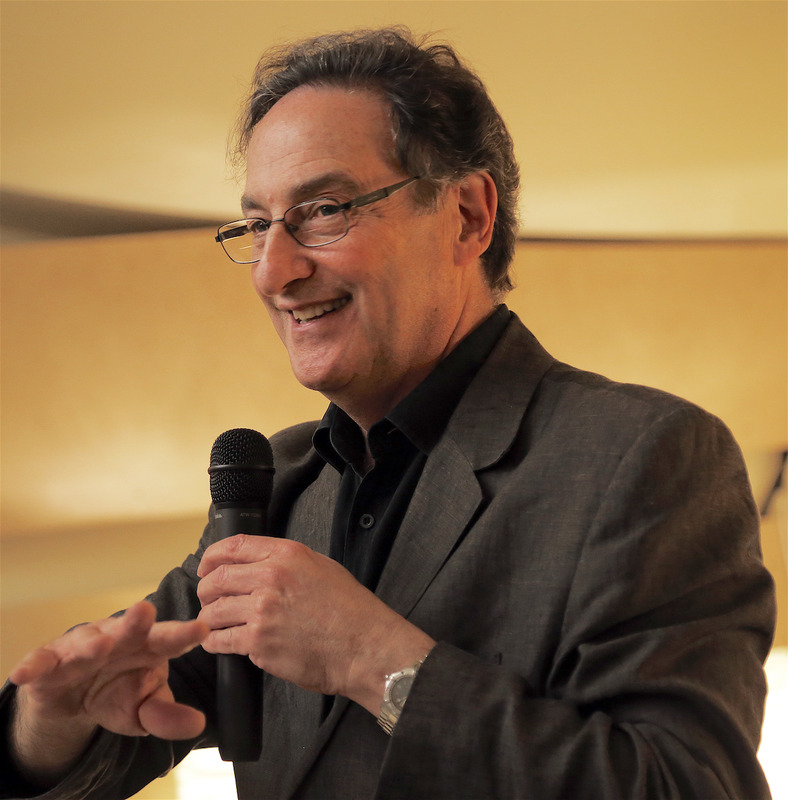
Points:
(241, 468)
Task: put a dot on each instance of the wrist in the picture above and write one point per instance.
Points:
(43, 747)
(410, 646)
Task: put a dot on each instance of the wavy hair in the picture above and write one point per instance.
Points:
(445, 125)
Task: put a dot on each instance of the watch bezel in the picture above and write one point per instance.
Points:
(389, 710)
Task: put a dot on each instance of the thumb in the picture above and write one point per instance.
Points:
(162, 717)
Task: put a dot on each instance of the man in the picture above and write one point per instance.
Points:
(558, 576)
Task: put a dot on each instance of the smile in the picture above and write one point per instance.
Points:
(309, 313)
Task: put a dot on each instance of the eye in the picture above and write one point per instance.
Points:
(313, 214)
(325, 209)
(257, 226)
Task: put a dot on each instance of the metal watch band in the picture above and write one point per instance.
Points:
(387, 720)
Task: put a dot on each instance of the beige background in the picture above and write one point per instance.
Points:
(659, 124)
(116, 381)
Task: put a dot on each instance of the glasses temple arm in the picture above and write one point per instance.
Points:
(380, 193)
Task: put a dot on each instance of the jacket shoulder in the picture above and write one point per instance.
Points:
(571, 386)
(601, 397)
(293, 444)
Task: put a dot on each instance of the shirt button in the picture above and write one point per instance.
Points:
(366, 521)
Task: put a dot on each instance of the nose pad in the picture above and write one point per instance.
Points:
(282, 261)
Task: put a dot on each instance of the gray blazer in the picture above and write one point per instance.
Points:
(586, 553)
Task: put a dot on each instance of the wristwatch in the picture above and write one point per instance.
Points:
(395, 694)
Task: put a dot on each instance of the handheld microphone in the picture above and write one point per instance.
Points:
(242, 476)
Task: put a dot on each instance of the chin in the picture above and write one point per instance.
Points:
(325, 383)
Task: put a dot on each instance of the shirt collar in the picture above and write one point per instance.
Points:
(423, 414)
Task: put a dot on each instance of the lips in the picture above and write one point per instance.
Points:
(317, 310)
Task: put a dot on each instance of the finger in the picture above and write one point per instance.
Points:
(234, 580)
(239, 549)
(172, 639)
(228, 640)
(33, 666)
(131, 640)
(129, 630)
(133, 624)
(78, 652)
(230, 611)
(164, 718)
(138, 636)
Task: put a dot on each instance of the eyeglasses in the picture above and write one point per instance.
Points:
(312, 224)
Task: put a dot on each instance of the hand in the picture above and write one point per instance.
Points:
(303, 617)
(111, 673)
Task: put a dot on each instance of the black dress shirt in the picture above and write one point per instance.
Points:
(371, 505)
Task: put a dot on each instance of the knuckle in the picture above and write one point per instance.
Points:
(224, 604)
(237, 545)
(262, 606)
(274, 574)
(237, 642)
(257, 628)
(215, 612)
(220, 577)
(276, 580)
(211, 585)
(290, 549)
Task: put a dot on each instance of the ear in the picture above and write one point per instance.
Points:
(478, 202)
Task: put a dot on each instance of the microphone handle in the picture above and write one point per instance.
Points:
(239, 683)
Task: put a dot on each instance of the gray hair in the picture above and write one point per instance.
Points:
(445, 125)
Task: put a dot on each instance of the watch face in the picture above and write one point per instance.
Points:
(400, 689)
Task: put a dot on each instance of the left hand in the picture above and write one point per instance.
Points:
(303, 617)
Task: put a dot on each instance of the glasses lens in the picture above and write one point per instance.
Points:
(317, 222)
(238, 241)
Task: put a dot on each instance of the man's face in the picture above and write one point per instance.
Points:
(366, 318)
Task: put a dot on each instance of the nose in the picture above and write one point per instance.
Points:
(283, 261)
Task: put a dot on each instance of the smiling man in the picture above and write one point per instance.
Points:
(366, 318)
(493, 575)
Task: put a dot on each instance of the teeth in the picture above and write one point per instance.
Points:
(319, 309)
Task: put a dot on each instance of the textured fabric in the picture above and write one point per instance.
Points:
(370, 504)
(587, 555)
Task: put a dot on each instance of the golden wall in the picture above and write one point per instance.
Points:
(124, 357)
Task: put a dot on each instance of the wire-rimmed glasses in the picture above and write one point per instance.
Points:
(312, 223)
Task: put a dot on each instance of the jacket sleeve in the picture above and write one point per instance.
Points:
(114, 766)
(656, 687)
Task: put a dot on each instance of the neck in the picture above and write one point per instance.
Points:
(366, 405)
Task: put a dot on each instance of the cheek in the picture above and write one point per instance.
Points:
(276, 317)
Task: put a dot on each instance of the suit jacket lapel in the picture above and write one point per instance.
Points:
(448, 495)
(443, 504)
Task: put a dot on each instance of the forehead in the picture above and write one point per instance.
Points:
(318, 131)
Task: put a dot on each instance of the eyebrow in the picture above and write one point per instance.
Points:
(308, 190)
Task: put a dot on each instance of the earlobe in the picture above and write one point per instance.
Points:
(478, 201)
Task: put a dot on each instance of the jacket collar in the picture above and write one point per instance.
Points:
(480, 432)
(491, 411)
